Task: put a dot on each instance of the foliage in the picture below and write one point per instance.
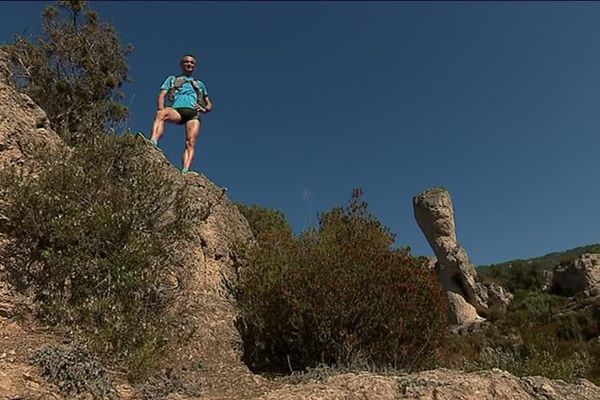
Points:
(265, 222)
(529, 274)
(539, 334)
(73, 71)
(530, 361)
(519, 275)
(338, 294)
(92, 239)
(75, 371)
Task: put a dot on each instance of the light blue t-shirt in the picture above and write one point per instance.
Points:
(186, 96)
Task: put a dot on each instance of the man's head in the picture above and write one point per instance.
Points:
(188, 64)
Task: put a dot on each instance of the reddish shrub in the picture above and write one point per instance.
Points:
(339, 294)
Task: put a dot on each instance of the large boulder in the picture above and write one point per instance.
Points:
(434, 214)
(580, 276)
(459, 311)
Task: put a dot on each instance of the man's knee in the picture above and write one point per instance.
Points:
(190, 143)
(162, 115)
(193, 126)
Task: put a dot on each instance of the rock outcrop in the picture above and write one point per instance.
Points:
(434, 213)
(24, 128)
(5, 70)
(210, 260)
(436, 385)
(459, 311)
(580, 276)
(24, 134)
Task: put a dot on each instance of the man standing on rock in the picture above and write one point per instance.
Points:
(188, 100)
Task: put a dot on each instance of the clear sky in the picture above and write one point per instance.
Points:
(497, 102)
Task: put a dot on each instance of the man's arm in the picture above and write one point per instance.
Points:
(161, 99)
(207, 108)
(164, 88)
(209, 104)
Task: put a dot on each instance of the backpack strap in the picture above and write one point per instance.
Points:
(179, 82)
(176, 84)
(199, 94)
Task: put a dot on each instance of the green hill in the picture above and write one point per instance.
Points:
(528, 274)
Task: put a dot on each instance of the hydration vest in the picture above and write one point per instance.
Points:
(178, 84)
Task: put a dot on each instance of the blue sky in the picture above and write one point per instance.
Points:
(499, 102)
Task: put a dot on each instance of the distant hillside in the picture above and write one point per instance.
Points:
(550, 259)
(528, 274)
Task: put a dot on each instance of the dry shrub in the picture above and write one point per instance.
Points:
(339, 294)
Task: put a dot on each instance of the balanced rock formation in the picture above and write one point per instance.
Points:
(434, 213)
(580, 276)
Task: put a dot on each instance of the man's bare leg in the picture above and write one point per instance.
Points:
(158, 127)
(192, 131)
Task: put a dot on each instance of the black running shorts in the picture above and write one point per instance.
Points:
(187, 114)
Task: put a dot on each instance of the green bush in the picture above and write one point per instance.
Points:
(73, 71)
(535, 362)
(538, 334)
(338, 294)
(265, 222)
(517, 276)
(532, 307)
(92, 238)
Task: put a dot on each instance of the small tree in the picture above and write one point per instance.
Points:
(265, 222)
(74, 70)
